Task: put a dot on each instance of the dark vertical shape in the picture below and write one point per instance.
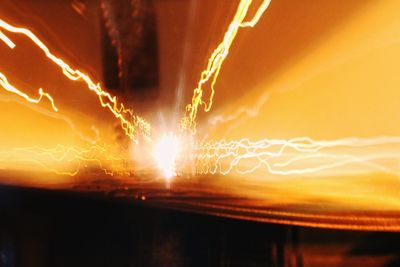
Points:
(110, 61)
(130, 47)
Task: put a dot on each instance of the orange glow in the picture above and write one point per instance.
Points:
(307, 130)
(303, 130)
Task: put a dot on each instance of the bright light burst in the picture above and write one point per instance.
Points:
(165, 153)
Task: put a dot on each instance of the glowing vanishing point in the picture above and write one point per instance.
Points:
(165, 154)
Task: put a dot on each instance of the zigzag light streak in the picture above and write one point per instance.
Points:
(10, 88)
(54, 159)
(130, 123)
(223, 157)
(215, 62)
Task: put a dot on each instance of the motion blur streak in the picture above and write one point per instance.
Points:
(299, 156)
(63, 160)
(8, 87)
(133, 125)
(215, 62)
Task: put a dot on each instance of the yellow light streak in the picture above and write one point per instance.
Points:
(298, 156)
(132, 125)
(215, 62)
(10, 88)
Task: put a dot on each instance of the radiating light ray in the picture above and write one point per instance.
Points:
(132, 125)
(215, 63)
(10, 88)
(298, 156)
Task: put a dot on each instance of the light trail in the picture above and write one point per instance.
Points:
(298, 156)
(64, 160)
(215, 62)
(254, 193)
(10, 88)
(132, 125)
(70, 160)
